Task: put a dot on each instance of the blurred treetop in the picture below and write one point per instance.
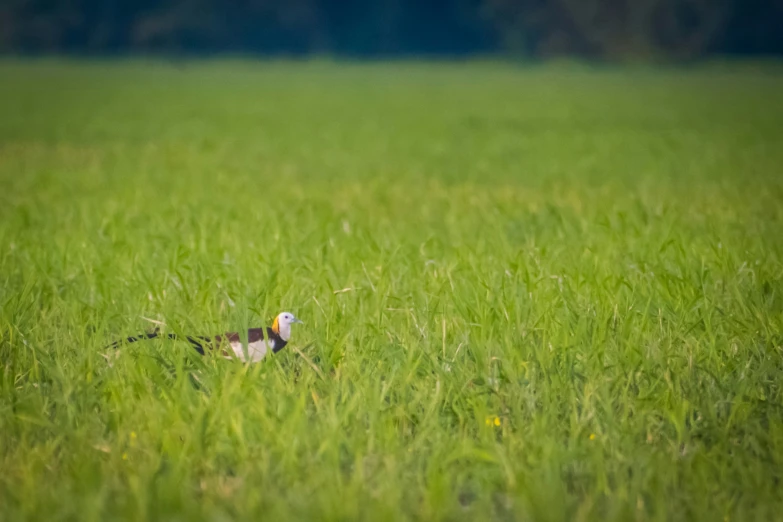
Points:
(602, 29)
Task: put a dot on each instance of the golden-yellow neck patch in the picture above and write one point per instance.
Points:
(276, 326)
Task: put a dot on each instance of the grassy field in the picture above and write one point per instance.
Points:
(545, 293)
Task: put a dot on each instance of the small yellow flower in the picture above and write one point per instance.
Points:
(592, 436)
(497, 421)
(124, 456)
(133, 435)
(489, 421)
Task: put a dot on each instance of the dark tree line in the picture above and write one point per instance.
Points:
(605, 29)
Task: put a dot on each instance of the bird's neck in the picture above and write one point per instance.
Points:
(282, 330)
(276, 341)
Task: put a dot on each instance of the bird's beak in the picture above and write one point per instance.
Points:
(297, 321)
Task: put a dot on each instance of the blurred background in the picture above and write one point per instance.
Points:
(614, 30)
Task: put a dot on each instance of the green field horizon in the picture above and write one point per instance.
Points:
(544, 293)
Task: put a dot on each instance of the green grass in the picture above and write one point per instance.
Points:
(547, 293)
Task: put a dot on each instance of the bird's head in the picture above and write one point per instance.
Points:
(282, 324)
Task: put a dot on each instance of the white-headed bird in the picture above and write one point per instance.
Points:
(260, 341)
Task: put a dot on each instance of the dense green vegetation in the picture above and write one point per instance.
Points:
(547, 293)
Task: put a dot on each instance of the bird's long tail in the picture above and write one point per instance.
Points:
(197, 342)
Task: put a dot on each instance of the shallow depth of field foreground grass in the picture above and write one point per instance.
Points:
(547, 293)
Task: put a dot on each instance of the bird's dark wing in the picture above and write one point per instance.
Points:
(253, 335)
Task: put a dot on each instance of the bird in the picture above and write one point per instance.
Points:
(258, 346)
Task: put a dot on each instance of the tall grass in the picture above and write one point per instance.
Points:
(550, 293)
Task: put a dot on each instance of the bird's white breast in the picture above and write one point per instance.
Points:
(255, 351)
